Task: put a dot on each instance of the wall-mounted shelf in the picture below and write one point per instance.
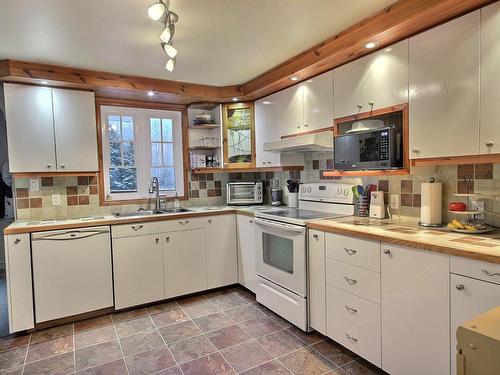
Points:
(205, 148)
(204, 126)
(476, 212)
(238, 170)
(389, 172)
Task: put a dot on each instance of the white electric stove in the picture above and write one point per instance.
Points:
(281, 247)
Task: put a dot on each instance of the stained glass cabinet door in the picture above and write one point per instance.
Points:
(239, 135)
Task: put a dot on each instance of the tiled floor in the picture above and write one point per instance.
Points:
(223, 332)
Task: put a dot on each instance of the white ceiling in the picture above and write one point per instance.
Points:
(220, 42)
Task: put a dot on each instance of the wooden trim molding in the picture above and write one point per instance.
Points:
(453, 160)
(143, 105)
(52, 174)
(396, 22)
(247, 169)
(321, 130)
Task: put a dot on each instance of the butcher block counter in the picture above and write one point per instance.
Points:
(484, 247)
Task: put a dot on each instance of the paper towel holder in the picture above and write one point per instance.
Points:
(430, 225)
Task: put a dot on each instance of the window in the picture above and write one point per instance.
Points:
(138, 144)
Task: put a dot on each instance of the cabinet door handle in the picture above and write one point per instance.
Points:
(250, 221)
(359, 107)
(157, 240)
(489, 143)
(415, 150)
(349, 337)
(351, 310)
(371, 103)
(209, 221)
(63, 166)
(460, 286)
(387, 252)
(137, 227)
(350, 251)
(350, 281)
(490, 274)
(168, 239)
(49, 166)
(315, 236)
(17, 241)
(183, 222)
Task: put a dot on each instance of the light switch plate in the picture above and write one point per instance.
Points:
(56, 199)
(395, 201)
(34, 184)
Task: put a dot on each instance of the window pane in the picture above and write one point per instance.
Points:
(168, 154)
(155, 129)
(115, 153)
(114, 128)
(167, 129)
(156, 154)
(128, 153)
(127, 128)
(122, 179)
(170, 179)
(166, 177)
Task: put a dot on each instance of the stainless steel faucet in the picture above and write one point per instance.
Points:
(154, 186)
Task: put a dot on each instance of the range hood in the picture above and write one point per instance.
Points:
(302, 143)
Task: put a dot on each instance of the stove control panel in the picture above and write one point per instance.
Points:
(327, 192)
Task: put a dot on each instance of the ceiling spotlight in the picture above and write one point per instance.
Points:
(235, 99)
(151, 93)
(294, 78)
(167, 34)
(266, 102)
(157, 10)
(371, 45)
(44, 82)
(388, 49)
(169, 49)
(170, 65)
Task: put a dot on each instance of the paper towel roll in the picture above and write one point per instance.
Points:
(431, 203)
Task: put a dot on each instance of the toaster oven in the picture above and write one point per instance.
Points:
(244, 193)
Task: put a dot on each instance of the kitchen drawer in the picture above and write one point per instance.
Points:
(354, 309)
(353, 279)
(359, 252)
(357, 339)
(476, 269)
(139, 229)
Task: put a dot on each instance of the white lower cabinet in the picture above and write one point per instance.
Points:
(469, 298)
(138, 270)
(222, 257)
(317, 281)
(415, 311)
(185, 262)
(247, 274)
(19, 284)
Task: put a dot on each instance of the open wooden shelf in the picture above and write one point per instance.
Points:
(205, 148)
(255, 169)
(454, 160)
(388, 172)
(204, 126)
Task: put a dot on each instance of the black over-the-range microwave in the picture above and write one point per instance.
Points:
(371, 149)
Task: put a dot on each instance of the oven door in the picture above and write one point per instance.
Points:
(281, 254)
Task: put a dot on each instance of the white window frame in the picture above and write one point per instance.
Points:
(142, 149)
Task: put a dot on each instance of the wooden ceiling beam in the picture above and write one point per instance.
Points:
(392, 24)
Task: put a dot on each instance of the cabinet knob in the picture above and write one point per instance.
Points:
(306, 125)
(415, 150)
(49, 166)
(371, 103)
(157, 241)
(264, 163)
(298, 127)
(315, 236)
(250, 221)
(359, 106)
(489, 143)
(387, 252)
(17, 241)
(63, 166)
(460, 287)
(168, 239)
(209, 221)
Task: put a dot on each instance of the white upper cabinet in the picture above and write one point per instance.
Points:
(266, 130)
(75, 130)
(50, 130)
(380, 78)
(444, 89)
(318, 102)
(30, 131)
(291, 110)
(489, 135)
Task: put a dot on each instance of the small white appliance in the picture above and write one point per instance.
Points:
(377, 205)
(244, 193)
(281, 247)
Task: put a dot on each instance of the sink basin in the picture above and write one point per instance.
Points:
(150, 212)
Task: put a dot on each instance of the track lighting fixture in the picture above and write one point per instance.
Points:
(159, 12)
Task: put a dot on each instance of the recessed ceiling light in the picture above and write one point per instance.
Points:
(309, 81)
(235, 99)
(44, 82)
(294, 78)
(151, 93)
(266, 102)
(371, 45)
(388, 49)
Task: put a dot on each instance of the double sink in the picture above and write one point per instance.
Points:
(142, 212)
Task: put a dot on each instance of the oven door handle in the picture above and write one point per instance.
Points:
(283, 226)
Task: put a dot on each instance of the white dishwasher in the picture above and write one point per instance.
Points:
(72, 272)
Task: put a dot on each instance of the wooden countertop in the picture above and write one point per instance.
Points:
(479, 247)
(19, 227)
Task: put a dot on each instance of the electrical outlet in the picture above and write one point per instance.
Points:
(56, 199)
(395, 201)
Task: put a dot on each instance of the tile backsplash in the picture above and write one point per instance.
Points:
(79, 195)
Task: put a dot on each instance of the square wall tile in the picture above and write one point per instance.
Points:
(465, 171)
(483, 171)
